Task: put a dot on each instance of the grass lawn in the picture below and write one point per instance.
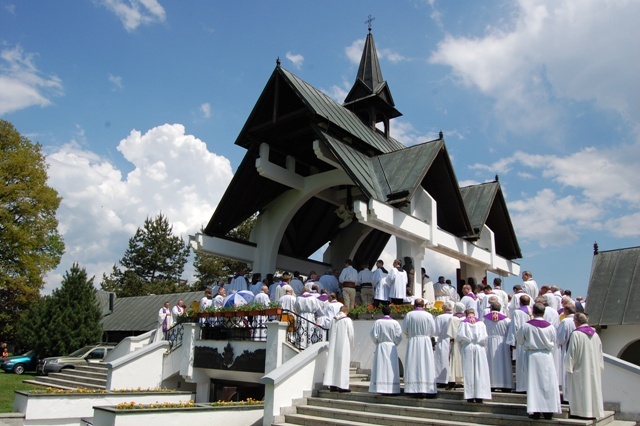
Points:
(10, 382)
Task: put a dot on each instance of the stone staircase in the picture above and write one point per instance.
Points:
(92, 376)
(359, 407)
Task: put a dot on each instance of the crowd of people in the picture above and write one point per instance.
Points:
(482, 332)
(476, 341)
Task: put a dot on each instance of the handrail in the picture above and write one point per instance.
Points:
(174, 336)
(303, 332)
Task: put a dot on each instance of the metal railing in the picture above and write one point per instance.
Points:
(301, 331)
(174, 336)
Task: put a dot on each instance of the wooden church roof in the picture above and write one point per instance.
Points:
(290, 115)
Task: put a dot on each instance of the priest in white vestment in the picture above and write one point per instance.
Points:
(520, 317)
(165, 322)
(469, 300)
(385, 372)
(565, 328)
(455, 361)
(584, 365)
(397, 282)
(529, 285)
(330, 308)
(259, 322)
(419, 368)
(380, 285)
(307, 305)
(472, 335)
(443, 344)
(498, 351)
(336, 373)
(239, 282)
(537, 338)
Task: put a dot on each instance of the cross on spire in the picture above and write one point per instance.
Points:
(369, 20)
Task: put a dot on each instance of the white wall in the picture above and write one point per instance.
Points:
(616, 337)
(621, 385)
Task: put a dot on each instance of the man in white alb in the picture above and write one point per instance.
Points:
(472, 335)
(537, 338)
(397, 281)
(584, 365)
(336, 372)
(419, 371)
(385, 372)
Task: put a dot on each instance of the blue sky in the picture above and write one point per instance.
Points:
(137, 104)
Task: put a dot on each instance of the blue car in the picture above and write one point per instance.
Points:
(20, 363)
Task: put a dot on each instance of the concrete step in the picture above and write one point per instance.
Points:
(75, 376)
(47, 385)
(405, 409)
(66, 383)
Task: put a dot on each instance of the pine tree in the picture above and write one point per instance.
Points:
(152, 264)
(65, 321)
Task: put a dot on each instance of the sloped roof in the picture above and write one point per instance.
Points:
(140, 313)
(613, 297)
(485, 205)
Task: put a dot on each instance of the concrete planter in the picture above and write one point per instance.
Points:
(69, 408)
(247, 415)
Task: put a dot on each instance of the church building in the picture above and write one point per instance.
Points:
(318, 173)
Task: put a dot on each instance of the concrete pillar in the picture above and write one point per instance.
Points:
(276, 336)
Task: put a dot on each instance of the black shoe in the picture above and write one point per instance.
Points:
(471, 400)
(431, 395)
(479, 400)
(534, 416)
(344, 390)
(548, 416)
(333, 389)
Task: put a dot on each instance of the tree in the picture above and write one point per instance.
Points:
(153, 263)
(211, 268)
(30, 244)
(65, 321)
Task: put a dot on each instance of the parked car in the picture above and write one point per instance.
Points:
(20, 363)
(83, 356)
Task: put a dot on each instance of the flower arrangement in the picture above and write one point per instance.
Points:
(248, 401)
(50, 390)
(396, 310)
(138, 406)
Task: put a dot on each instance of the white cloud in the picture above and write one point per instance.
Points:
(133, 13)
(407, 135)
(21, 83)
(116, 81)
(553, 50)
(354, 53)
(205, 110)
(296, 59)
(625, 226)
(173, 173)
(552, 221)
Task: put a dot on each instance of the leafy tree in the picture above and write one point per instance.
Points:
(153, 263)
(65, 321)
(30, 244)
(211, 268)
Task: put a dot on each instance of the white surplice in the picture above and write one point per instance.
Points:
(584, 366)
(565, 330)
(419, 368)
(443, 348)
(385, 373)
(380, 285)
(341, 335)
(455, 361)
(498, 351)
(518, 320)
(537, 342)
(397, 282)
(306, 306)
(473, 340)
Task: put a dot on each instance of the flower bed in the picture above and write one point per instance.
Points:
(68, 407)
(397, 311)
(241, 413)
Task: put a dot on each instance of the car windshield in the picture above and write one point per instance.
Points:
(81, 351)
